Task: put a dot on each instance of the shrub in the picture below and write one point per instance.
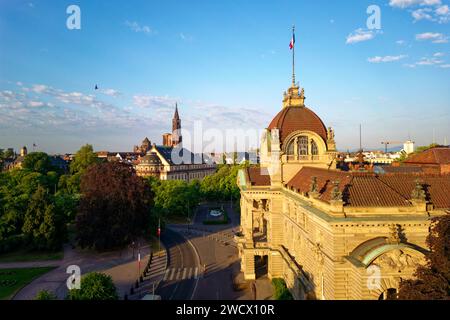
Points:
(94, 286)
(45, 295)
(281, 290)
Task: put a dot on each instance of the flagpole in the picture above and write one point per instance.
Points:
(293, 56)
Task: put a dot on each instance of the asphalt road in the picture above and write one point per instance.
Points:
(183, 271)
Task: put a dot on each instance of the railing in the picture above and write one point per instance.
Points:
(309, 158)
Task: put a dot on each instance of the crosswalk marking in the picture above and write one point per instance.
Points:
(174, 274)
(166, 274)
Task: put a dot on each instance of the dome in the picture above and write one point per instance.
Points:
(151, 159)
(292, 119)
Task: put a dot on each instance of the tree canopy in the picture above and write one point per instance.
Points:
(94, 286)
(37, 162)
(432, 281)
(115, 206)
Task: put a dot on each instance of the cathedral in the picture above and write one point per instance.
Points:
(171, 161)
(330, 234)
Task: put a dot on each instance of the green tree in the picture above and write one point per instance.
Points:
(84, 158)
(45, 295)
(42, 226)
(432, 281)
(37, 162)
(176, 198)
(115, 206)
(94, 286)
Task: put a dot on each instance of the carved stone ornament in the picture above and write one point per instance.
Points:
(398, 260)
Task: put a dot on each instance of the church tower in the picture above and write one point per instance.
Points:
(176, 128)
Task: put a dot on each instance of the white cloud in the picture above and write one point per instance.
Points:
(443, 10)
(148, 101)
(409, 3)
(428, 62)
(445, 66)
(110, 92)
(360, 35)
(136, 27)
(379, 59)
(36, 104)
(422, 14)
(433, 37)
(439, 54)
(400, 42)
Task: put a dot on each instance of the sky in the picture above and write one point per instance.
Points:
(226, 63)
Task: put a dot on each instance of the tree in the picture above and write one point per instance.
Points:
(84, 158)
(37, 162)
(222, 185)
(42, 226)
(115, 206)
(45, 295)
(176, 197)
(432, 281)
(95, 286)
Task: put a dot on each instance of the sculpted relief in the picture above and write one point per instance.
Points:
(398, 260)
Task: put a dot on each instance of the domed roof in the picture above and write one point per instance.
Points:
(292, 119)
(151, 159)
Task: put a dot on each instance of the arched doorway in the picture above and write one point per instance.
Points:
(261, 266)
(389, 294)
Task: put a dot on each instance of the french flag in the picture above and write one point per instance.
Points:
(291, 45)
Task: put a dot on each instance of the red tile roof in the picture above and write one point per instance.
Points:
(258, 176)
(292, 119)
(440, 155)
(371, 190)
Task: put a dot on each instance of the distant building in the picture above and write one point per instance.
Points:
(171, 161)
(60, 163)
(434, 160)
(408, 147)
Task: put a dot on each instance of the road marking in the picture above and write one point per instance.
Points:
(184, 274)
(166, 274)
(172, 274)
(190, 273)
(178, 274)
(196, 273)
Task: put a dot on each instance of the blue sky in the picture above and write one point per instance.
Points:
(226, 63)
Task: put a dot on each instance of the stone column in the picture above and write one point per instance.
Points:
(249, 267)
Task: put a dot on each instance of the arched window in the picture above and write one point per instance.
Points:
(290, 149)
(303, 146)
(314, 148)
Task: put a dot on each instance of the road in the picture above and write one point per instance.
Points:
(183, 269)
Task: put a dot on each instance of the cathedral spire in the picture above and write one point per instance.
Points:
(176, 128)
(176, 116)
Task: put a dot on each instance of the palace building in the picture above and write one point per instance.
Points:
(330, 234)
(171, 161)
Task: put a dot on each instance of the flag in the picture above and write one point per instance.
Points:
(292, 44)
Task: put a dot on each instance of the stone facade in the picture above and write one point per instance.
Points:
(330, 234)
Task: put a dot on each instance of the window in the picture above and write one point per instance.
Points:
(303, 146)
(314, 148)
(290, 150)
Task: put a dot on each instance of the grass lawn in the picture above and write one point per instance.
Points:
(12, 280)
(23, 255)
